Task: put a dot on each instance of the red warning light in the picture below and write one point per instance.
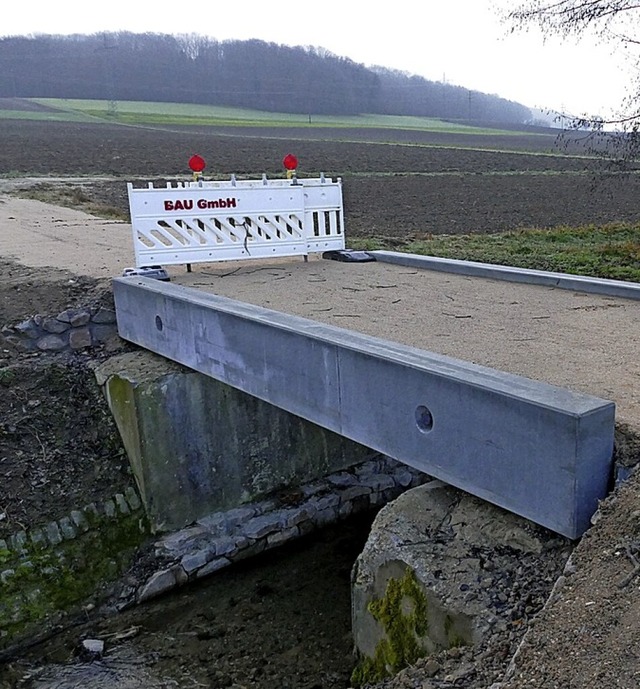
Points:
(197, 163)
(290, 162)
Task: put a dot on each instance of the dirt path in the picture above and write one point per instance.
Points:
(37, 234)
(585, 342)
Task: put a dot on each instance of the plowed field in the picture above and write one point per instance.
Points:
(398, 184)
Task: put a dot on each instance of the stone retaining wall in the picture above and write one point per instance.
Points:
(76, 563)
(72, 329)
(222, 538)
(49, 572)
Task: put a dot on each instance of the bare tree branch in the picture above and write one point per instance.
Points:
(612, 21)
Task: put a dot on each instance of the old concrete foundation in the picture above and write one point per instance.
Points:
(198, 446)
(441, 569)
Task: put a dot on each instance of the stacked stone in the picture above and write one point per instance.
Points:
(69, 527)
(44, 551)
(72, 329)
(220, 539)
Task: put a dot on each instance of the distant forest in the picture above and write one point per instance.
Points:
(248, 74)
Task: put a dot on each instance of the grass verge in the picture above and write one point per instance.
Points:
(609, 251)
(72, 197)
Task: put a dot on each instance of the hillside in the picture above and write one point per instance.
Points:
(248, 74)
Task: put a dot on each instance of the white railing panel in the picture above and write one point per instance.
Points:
(216, 221)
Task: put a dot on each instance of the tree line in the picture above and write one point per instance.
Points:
(251, 74)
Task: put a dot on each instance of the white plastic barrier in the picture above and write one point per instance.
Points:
(195, 222)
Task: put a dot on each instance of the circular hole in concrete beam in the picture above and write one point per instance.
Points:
(424, 419)
(159, 323)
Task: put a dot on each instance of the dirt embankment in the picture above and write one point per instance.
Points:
(59, 448)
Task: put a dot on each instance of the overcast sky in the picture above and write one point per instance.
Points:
(462, 42)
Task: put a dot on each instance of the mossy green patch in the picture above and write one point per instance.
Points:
(48, 582)
(403, 614)
(453, 638)
(7, 376)
(5, 556)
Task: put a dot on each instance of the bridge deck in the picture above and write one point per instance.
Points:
(379, 377)
(582, 341)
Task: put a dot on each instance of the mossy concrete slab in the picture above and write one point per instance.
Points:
(198, 446)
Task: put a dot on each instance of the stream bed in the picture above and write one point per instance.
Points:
(279, 621)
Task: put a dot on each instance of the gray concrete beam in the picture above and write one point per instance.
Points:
(578, 283)
(540, 451)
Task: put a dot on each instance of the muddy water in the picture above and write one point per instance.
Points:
(280, 621)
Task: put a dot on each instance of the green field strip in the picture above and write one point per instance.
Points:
(164, 115)
(44, 116)
(199, 115)
(608, 251)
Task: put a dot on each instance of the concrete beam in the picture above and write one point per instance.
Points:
(540, 451)
(577, 283)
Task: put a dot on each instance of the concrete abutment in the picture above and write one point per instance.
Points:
(198, 446)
